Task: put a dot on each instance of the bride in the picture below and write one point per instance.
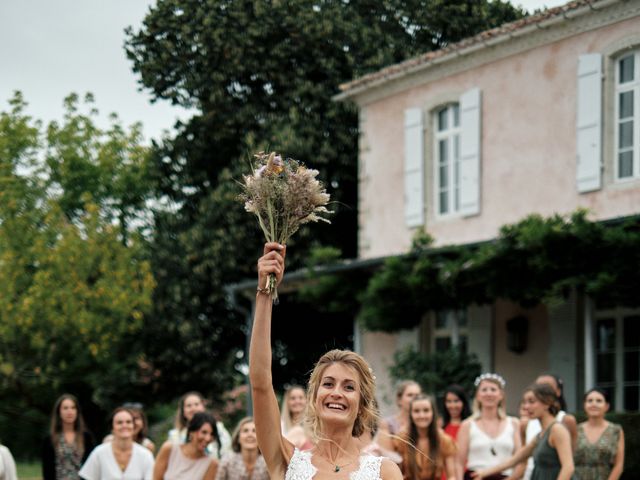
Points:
(341, 403)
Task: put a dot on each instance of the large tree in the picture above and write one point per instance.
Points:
(261, 75)
(74, 288)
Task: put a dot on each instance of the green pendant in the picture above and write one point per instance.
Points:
(337, 469)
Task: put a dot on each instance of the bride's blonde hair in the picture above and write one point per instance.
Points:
(368, 415)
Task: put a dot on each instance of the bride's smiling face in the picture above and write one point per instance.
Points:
(338, 396)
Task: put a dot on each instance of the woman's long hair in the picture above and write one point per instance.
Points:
(235, 437)
(181, 421)
(367, 413)
(459, 392)
(56, 423)
(285, 416)
(432, 436)
(198, 420)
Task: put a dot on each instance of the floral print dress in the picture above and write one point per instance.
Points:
(594, 461)
(68, 461)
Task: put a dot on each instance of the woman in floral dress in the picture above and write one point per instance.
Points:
(599, 453)
(68, 445)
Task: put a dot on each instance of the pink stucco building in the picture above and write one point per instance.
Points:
(542, 115)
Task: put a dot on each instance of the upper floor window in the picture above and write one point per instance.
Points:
(627, 116)
(454, 131)
(447, 156)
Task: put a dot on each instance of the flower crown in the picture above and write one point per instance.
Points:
(490, 376)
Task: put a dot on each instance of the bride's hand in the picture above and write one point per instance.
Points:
(271, 262)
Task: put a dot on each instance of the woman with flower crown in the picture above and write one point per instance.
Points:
(489, 436)
(341, 402)
(551, 448)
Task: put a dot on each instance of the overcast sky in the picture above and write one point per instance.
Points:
(50, 48)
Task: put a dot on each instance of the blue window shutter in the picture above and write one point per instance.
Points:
(589, 123)
(413, 167)
(470, 123)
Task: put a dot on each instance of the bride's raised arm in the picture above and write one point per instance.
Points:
(275, 449)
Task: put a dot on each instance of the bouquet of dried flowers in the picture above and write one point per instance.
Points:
(283, 194)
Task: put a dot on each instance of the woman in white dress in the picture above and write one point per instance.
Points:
(489, 436)
(123, 458)
(340, 399)
(294, 403)
(7, 465)
(191, 403)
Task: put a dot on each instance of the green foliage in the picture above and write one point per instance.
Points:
(234, 406)
(535, 260)
(436, 371)
(74, 288)
(108, 168)
(262, 75)
(392, 282)
(193, 335)
(331, 293)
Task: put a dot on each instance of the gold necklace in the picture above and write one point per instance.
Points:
(336, 467)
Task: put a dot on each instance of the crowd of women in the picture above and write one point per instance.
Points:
(332, 430)
(480, 441)
(198, 447)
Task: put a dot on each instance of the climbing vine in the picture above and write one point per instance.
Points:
(535, 260)
(532, 261)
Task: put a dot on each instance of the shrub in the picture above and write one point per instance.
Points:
(435, 371)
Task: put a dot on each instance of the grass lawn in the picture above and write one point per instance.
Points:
(29, 470)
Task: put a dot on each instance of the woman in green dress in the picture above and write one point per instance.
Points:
(599, 451)
(551, 449)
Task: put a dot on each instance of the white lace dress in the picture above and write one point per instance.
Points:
(301, 468)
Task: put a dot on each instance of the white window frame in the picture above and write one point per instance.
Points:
(453, 328)
(618, 314)
(451, 134)
(620, 89)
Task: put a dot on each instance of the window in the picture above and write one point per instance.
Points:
(617, 348)
(627, 117)
(450, 330)
(447, 159)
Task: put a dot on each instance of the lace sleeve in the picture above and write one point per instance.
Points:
(369, 468)
(300, 466)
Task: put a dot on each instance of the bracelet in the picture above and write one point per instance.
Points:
(264, 291)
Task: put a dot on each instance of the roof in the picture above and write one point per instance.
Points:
(482, 40)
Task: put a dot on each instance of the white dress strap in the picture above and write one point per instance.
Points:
(369, 468)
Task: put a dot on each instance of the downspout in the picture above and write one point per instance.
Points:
(248, 315)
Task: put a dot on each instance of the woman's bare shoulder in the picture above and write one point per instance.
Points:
(467, 422)
(389, 470)
(166, 447)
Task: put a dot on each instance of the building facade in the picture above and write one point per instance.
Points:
(538, 116)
